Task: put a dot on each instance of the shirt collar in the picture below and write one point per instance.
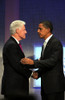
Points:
(48, 38)
(16, 39)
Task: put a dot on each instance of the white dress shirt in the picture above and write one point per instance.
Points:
(46, 41)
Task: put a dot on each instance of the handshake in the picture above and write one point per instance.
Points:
(30, 62)
(27, 61)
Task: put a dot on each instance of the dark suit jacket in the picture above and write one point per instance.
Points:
(51, 67)
(15, 79)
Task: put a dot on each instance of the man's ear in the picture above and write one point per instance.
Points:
(17, 30)
(48, 29)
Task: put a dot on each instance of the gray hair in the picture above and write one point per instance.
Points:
(16, 24)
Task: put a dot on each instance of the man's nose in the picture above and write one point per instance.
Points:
(38, 30)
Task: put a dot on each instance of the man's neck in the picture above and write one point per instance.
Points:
(49, 34)
(16, 37)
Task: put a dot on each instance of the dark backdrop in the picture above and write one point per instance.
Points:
(34, 11)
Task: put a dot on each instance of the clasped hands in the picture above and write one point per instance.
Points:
(27, 61)
(30, 62)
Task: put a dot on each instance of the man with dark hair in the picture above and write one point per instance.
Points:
(50, 64)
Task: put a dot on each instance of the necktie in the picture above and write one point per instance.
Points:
(20, 47)
(43, 47)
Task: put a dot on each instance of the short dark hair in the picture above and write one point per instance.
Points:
(47, 24)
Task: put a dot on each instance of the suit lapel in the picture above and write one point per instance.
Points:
(49, 43)
(16, 43)
(47, 47)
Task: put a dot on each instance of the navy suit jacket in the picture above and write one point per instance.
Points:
(15, 78)
(51, 67)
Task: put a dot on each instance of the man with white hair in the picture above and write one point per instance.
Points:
(15, 80)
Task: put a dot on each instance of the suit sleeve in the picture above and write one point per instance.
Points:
(54, 57)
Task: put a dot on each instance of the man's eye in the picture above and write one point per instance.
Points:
(40, 28)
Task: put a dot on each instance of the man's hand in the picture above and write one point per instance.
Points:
(27, 61)
(35, 75)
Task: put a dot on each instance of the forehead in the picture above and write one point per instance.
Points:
(23, 27)
(40, 25)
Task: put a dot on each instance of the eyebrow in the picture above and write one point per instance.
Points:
(39, 28)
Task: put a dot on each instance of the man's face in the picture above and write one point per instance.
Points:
(22, 32)
(42, 31)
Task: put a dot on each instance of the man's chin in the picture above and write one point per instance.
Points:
(23, 38)
(41, 37)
